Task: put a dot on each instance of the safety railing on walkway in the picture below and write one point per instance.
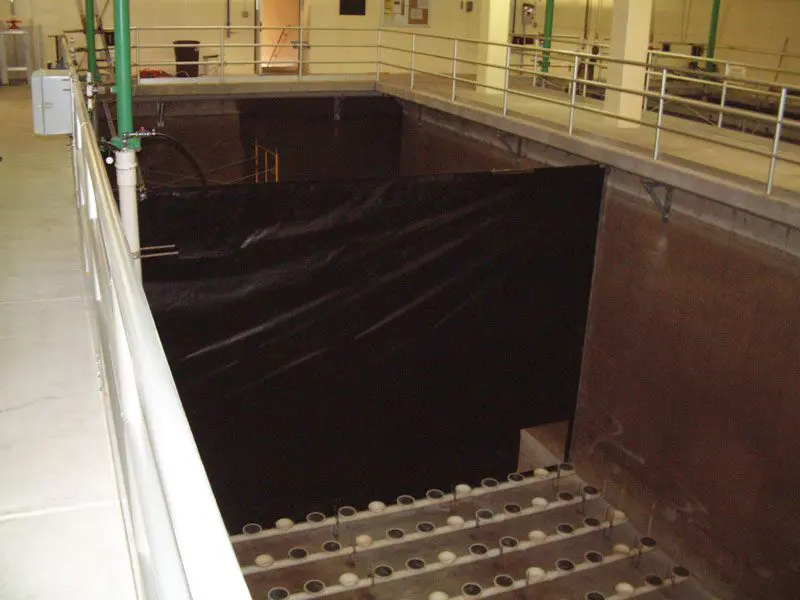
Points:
(180, 549)
(573, 81)
(516, 72)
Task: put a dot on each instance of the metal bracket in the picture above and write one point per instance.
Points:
(665, 204)
(506, 140)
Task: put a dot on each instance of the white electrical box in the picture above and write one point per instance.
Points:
(52, 102)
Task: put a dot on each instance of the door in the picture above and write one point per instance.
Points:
(279, 43)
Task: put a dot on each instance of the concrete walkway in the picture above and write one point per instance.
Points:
(708, 149)
(61, 523)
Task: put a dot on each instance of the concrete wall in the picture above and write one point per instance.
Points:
(688, 400)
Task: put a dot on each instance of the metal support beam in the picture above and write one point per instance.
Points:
(549, 16)
(91, 39)
(716, 8)
(665, 205)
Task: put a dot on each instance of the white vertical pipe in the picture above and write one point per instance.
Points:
(129, 212)
(661, 101)
(773, 165)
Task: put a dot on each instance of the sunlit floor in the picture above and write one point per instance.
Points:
(744, 164)
(61, 525)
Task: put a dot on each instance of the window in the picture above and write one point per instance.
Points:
(352, 7)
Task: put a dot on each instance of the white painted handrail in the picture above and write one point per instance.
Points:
(179, 545)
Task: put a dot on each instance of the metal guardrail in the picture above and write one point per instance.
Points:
(180, 549)
(369, 52)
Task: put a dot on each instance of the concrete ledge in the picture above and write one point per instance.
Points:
(264, 88)
(542, 446)
(783, 208)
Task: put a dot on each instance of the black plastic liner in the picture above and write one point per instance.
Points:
(340, 342)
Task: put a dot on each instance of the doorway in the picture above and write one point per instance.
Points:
(277, 36)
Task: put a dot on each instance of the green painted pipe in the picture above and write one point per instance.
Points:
(548, 33)
(91, 40)
(124, 83)
(716, 8)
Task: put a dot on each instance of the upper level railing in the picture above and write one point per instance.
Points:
(179, 547)
(449, 67)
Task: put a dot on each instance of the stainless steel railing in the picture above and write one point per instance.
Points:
(179, 547)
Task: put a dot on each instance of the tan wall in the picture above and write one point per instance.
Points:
(762, 24)
(688, 399)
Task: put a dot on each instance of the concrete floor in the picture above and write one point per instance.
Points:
(61, 524)
(708, 153)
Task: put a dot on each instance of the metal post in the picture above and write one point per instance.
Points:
(508, 78)
(129, 211)
(138, 59)
(413, 58)
(222, 55)
(299, 55)
(123, 86)
(455, 69)
(647, 79)
(724, 98)
(716, 6)
(378, 56)
(574, 93)
(548, 33)
(91, 39)
(776, 144)
(661, 101)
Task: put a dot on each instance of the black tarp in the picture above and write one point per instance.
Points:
(341, 342)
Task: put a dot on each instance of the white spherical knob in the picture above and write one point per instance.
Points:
(462, 489)
(284, 524)
(455, 521)
(363, 541)
(534, 574)
(624, 588)
(438, 595)
(537, 536)
(348, 579)
(377, 506)
(622, 549)
(619, 516)
(264, 560)
(447, 557)
(540, 472)
(539, 503)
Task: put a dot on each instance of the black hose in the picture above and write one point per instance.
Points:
(183, 150)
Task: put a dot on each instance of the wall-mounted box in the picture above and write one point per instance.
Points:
(52, 102)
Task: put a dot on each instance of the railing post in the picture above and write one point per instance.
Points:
(455, 69)
(777, 143)
(508, 80)
(574, 94)
(138, 59)
(299, 55)
(378, 56)
(222, 55)
(413, 58)
(661, 101)
(724, 98)
(647, 79)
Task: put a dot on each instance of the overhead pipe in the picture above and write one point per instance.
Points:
(716, 9)
(549, 15)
